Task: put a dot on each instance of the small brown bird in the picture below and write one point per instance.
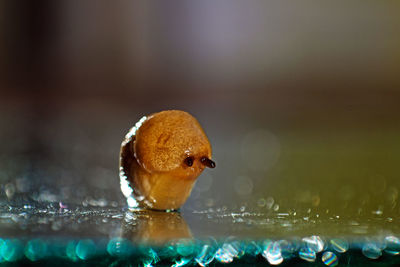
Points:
(160, 159)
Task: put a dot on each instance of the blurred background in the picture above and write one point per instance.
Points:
(300, 101)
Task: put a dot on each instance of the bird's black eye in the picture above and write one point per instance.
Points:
(189, 161)
(207, 162)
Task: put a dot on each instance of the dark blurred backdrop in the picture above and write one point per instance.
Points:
(300, 100)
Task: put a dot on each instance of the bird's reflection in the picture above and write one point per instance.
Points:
(154, 227)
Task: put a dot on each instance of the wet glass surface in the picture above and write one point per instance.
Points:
(300, 103)
(113, 235)
(285, 196)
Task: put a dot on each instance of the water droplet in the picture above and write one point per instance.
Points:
(119, 247)
(71, 251)
(85, 249)
(307, 254)
(225, 254)
(185, 247)
(314, 243)
(371, 251)
(252, 249)
(287, 249)
(339, 245)
(273, 253)
(11, 250)
(231, 249)
(35, 249)
(206, 255)
(168, 251)
(330, 259)
(392, 245)
(237, 245)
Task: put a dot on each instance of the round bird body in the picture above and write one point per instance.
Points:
(161, 157)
